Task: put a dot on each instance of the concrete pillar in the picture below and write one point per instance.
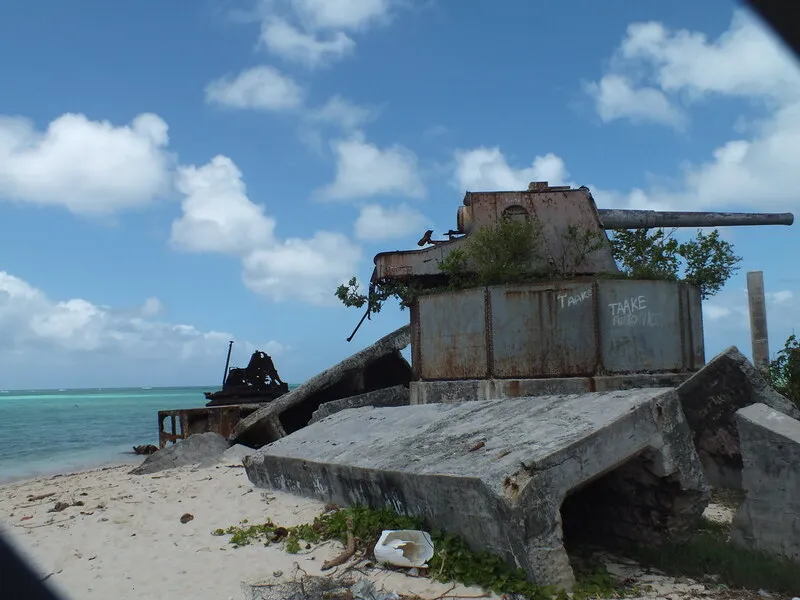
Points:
(758, 319)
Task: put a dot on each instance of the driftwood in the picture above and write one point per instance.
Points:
(267, 425)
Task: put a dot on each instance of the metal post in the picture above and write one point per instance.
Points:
(227, 363)
(758, 319)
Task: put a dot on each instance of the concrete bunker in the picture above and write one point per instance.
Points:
(505, 474)
(628, 505)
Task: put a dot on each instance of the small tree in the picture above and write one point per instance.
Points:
(707, 261)
(495, 255)
(784, 371)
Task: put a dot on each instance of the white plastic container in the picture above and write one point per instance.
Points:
(404, 548)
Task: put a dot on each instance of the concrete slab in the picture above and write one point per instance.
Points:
(769, 518)
(710, 399)
(393, 396)
(496, 472)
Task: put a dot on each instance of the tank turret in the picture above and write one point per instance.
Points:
(560, 211)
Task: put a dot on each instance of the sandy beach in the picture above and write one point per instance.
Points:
(121, 536)
(126, 540)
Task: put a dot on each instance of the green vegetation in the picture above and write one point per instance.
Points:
(453, 561)
(710, 553)
(503, 254)
(784, 371)
(706, 261)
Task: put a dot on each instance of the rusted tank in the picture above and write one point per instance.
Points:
(584, 332)
(557, 210)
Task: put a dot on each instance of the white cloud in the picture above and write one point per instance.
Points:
(308, 270)
(617, 98)
(152, 307)
(342, 14)
(34, 325)
(311, 50)
(486, 169)
(89, 167)
(364, 170)
(714, 312)
(217, 215)
(263, 88)
(376, 222)
(343, 113)
(746, 61)
(314, 32)
(780, 297)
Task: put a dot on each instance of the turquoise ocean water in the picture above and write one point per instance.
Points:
(44, 432)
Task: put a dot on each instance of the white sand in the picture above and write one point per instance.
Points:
(127, 541)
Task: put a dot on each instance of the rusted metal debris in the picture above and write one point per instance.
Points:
(375, 367)
(188, 421)
(256, 383)
(145, 449)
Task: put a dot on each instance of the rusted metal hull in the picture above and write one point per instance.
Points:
(188, 421)
(560, 329)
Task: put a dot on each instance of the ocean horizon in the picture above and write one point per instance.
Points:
(49, 432)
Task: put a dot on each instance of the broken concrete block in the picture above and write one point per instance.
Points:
(519, 477)
(202, 449)
(375, 367)
(394, 396)
(769, 518)
(710, 399)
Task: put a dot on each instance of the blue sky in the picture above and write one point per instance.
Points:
(174, 175)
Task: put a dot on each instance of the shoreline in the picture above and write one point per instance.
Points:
(77, 468)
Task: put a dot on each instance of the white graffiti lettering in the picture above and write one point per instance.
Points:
(574, 299)
(628, 306)
(633, 312)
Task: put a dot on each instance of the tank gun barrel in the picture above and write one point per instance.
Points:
(613, 218)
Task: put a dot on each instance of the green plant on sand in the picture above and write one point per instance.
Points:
(453, 560)
(707, 554)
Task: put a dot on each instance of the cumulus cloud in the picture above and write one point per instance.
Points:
(310, 49)
(217, 216)
(656, 73)
(317, 33)
(308, 270)
(364, 170)
(342, 14)
(89, 167)
(376, 222)
(486, 169)
(617, 98)
(32, 323)
(262, 88)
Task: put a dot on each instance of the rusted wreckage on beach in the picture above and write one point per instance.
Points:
(376, 375)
